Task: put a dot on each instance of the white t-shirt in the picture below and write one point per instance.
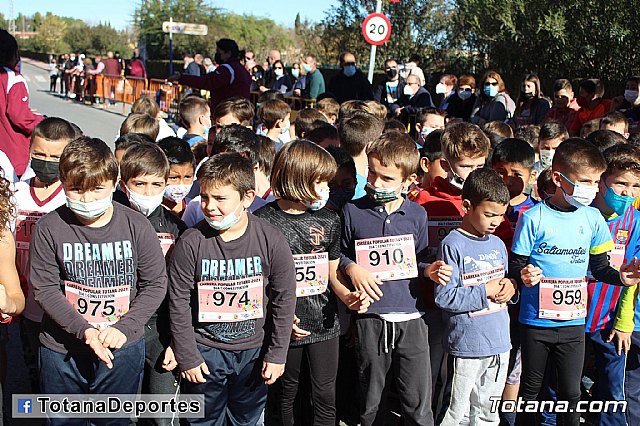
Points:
(29, 209)
(7, 172)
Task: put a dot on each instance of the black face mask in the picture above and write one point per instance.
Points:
(217, 58)
(528, 95)
(392, 73)
(46, 171)
(338, 197)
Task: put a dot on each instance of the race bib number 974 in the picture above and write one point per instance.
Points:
(230, 301)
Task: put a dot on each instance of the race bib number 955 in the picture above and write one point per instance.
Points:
(312, 273)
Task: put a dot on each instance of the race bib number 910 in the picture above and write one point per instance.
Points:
(563, 298)
(230, 301)
(388, 258)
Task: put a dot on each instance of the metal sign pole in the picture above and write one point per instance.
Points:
(171, 46)
(372, 57)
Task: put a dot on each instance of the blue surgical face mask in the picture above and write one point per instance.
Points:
(91, 209)
(295, 72)
(306, 67)
(227, 222)
(617, 203)
(319, 203)
(349, 70)
(490, 91)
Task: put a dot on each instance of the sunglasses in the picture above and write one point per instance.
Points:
(566, 98)
(248, 58)
(495, 83)
(468, 89)
(279, 68)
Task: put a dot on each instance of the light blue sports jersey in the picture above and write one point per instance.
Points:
(559, 243)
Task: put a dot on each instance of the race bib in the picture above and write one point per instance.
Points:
(439, 227)
(563, 298)
(25, 222)
(230, 301)
(102, 307)
(483, 277)
(312, 273)
(388, 258)
(616, 256)
(167, 241)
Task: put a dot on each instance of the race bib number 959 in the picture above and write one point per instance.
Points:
(563, 298)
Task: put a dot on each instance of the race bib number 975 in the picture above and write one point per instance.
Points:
(388, 258)
(102, 307)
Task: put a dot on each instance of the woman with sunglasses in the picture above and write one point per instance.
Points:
(564, 104)
(493, 103)
(531, 106)
(463, 98)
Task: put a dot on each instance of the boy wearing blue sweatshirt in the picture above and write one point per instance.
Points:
(384, 243)
(474, 303)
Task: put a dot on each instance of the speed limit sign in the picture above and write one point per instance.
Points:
(376, 29)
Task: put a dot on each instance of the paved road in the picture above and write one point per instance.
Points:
(94, 121)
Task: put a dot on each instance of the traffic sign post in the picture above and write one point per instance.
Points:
(180, 28)
(376, 29)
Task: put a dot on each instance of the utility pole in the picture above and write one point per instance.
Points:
(12, 20)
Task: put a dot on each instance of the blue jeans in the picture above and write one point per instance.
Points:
(610, 379)
(85, 373)
(632, 380)
(234, 391)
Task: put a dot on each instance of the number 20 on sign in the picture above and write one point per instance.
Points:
(376, 29)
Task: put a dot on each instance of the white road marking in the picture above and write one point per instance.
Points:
(40, 78)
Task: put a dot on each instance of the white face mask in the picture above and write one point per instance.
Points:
(455, 180)
(441, 89)
(177, 193)
(426, 131)
(227, 222)
(278, 72)
(91, 209)
(145, 204)
(320, 203)
(631, 96)
(546, 157)
(408, 90)
(583, 195)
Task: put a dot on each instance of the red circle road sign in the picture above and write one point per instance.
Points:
(376, 29)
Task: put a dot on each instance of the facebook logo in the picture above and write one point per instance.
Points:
(25, 406)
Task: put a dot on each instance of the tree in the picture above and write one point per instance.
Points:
(50, 35)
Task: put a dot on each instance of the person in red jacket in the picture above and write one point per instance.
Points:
(16, 119)
(229, 80)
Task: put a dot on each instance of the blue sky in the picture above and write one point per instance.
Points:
(118, 12)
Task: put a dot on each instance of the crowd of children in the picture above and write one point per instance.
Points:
(326, 266)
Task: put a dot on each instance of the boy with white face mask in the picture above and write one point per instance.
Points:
(241, 270)
(182, 166)
(99, 274)
(145, 169)
(556, 242)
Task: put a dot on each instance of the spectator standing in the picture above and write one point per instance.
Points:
(190, 66)
(282, 82)
(53, 74)
(16, 119)
(269, 74)
(415, 97)
(229, 80)
(390, 91)
(314, 80)
(111, 66)
(461, 104)
(350, 83)
(208, 65)
(136, 65)
(493, 103)
(249, 60)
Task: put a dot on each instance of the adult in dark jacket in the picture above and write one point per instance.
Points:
(414, 99)
(390, 91)
(229, 80)
(350, 83)
(462, 101)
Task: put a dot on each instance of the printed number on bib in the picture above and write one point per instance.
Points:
(439, 227)
(25, 222)
(101, 307)
(167, 241)
(312, 273)
(230, 301)
(483, 277)
(563, 298)
(388, 258)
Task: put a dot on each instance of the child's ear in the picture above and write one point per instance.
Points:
(424, 164)
(248, 198)
(557, 179)
(418, 127)
(466, 206)
(533, 178)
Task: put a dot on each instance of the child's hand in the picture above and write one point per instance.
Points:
(195, 374)
(91, 339)
(296, 332)
(112, 338)
(630, 272)
(169, 362)
(439, 272)
(531, 275)
(271, 372)
(364, 280)
(623, 340)
(357, 301)
(493, 287)
(507, 291)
